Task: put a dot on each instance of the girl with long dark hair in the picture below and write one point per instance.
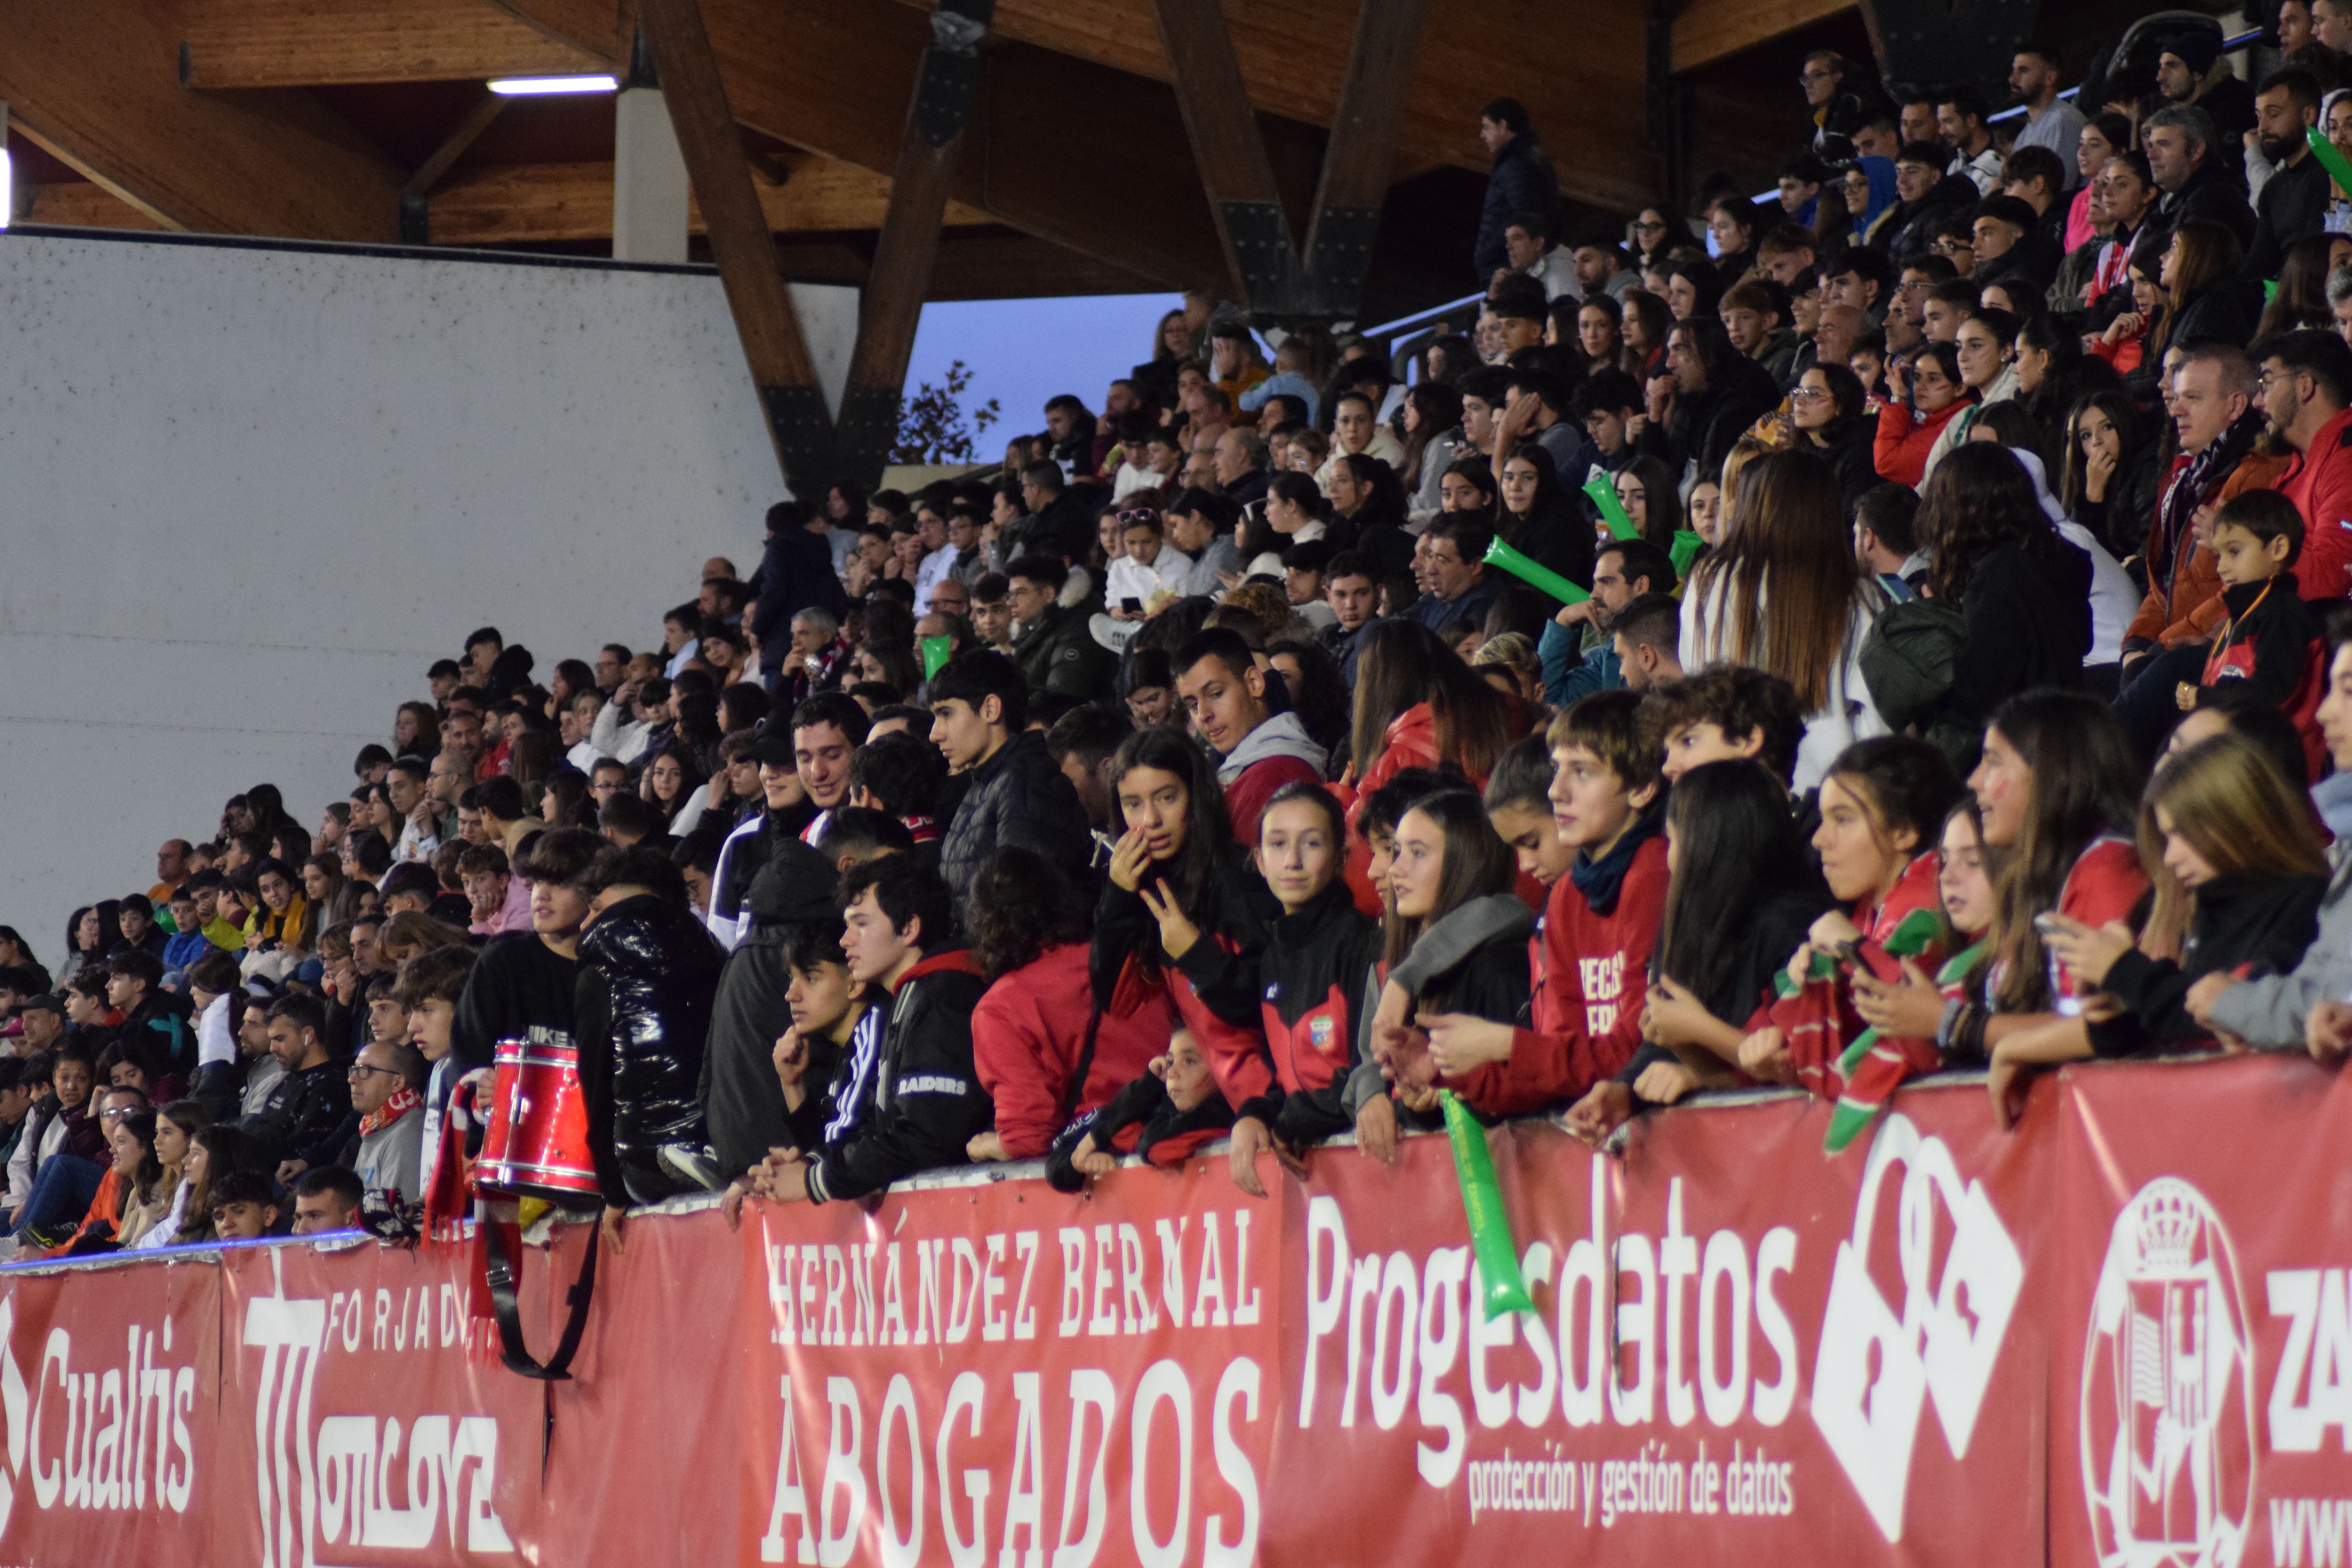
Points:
(1994, 556)
(1646, 489)
(1433, 438)
(1450, 880)
(1646, 325)
(1468, 486)
(1739, 901)
(1184, 915)
(2108, 480)
(1882, 807)
(1539, 519)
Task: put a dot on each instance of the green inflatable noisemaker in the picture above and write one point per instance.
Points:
(1503, 556)
(1482, 1203)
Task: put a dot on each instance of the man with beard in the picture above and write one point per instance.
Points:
(1578, 664)
(2306, 385)
(2294, 201)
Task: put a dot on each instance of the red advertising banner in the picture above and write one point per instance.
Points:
(107, 1379)
(2120, 1335)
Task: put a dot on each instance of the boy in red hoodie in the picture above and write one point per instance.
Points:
(1590, 955)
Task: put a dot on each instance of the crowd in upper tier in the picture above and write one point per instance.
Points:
(1890, 626)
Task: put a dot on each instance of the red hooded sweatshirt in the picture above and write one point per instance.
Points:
(1591, 968)
(1026, 1036)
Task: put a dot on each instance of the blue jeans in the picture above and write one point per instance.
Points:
(61, 1193)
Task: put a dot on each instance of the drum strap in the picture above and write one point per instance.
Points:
(500, 1273)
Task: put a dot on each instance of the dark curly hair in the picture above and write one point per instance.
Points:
(1979, 500)
(1021, 905)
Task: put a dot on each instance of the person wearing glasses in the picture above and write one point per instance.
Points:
(2306, 388)
(1654, 238)
(388, 1094)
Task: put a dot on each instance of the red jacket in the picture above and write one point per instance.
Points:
(1027, 1034)
(1900, 451)
(2319, 482)
(1410, 741)
(1590, 971)
(1818, 1021)
(1246, 797)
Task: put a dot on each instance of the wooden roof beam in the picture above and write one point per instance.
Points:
(712, 145)
(518, 203)
(1579, 74)
(97, 83)
(1709, 30)
(318, 42)
(803, 74)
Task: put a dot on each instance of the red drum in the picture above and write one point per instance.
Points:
(536, 1143)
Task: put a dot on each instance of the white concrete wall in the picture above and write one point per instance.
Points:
(247, 495)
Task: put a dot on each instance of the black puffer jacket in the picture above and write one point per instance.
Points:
(642, 1016)
(1017, 797)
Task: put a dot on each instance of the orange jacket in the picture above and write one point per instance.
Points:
(2188, 607)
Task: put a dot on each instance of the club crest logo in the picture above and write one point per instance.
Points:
(2168, 1417)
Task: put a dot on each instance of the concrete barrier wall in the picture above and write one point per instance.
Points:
(248, 493)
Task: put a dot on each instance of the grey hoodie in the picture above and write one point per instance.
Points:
(1494, 918)
(2268, 1013)
(1280, 736)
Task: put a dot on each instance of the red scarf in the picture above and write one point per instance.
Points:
(404, 1100)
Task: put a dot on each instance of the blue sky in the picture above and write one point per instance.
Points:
(1023, 352)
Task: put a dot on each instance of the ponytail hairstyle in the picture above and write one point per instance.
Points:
(2229, 801)
(1478, 863)
(2085, 785)
(1901, 782)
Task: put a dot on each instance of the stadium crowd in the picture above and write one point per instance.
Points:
(1957, 679)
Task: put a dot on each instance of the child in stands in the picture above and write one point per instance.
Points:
(1319, 954)
(1164, 1115)
(1881, 806)
(2270, 648)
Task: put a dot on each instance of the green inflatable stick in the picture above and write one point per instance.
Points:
(1915, 933)
(1604, 492)
(1482, 1201)
(1684, 551)
(1501, 554)
(935, 654)
(2338, 168)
